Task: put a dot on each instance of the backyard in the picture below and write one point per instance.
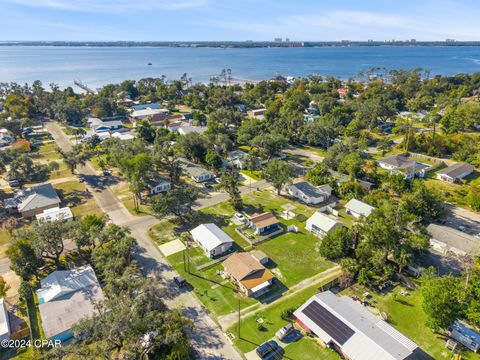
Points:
(75, 194)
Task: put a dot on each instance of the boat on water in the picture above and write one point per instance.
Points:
(149, 63)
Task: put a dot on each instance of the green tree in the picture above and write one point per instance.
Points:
(229, 181)
(441, 301)
(23, 258)
(279, 173)
(337, 244)
(177, 202)
(74, 157)
(4, 287)
(213, 159)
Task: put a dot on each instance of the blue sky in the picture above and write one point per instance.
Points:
(195, 20)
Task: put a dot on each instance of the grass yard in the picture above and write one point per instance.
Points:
(74, 194)
(452, 193)
(252, 335)
(163, 232)
(405, 313)
(4, 242)
(255, 174)
(218, 295)
(309, 349)
(123, 193)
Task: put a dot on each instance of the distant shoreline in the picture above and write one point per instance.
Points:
(238, 44)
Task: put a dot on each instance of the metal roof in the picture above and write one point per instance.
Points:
(312, 191)
(323, 221)
(372, 338)
(359, 207)
(35, 197)
(456, 170)
(210, 236)
(454, 238)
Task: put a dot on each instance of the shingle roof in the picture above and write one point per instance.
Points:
(246, 269)
(263, 220)
(359, 207)
(401, 162)
(210, 236)
(369, 337)
(154, 179)
(312, 191)
(192, 169)
(37, 197)
(456, 170)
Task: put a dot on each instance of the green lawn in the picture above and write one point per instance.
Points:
(308, 348)
(255, 174)
(163, 232)
(218, 295)
(123, 193)
(74, 194)
(405, 313)
(252, 336)
(4, 242)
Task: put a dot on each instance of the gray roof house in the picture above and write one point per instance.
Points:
(309, 194)
(157, 184)
(194, 171)
(212, 239)
(455, 172)
(33, 201)
(66, 297)
(102, 125)
(321, 224)
(400, 163)
(445, 240)
(184, 130)
(358, 208)
(352, 330)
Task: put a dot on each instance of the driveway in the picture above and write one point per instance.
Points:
(207, 338)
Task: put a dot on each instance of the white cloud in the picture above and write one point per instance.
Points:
(110, 6)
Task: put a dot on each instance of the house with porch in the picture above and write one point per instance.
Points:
(320, 224)
(264, 223)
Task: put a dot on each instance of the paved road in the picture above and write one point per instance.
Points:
(207, 338)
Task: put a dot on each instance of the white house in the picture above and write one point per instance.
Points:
(212, 239)
(455, 172)
(309, 194)
(402, 164)
(65, 298)
(55, 214)
(4, 322)
(103, 125)
(445, 240)
(358, 208)
(321, 224)
(157, 184)
(184, 130)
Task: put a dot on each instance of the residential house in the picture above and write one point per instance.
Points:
(455, 172)
(155, 114)
(309, 194)
(321, 224)
(352, 330)
(252, 278)
(256, 114)
(103, 125)
(237, 158)
(402, 164)
(212, 239)
(32, 201)
(66, 297)
(358, 208)
(264, 223)
(465, 335)
(55, 214)
(342, 92)
(184, 130)
(157, 184)
(4, 322)
(194, 171)
(139, 107)
(446, 240)
(123, 136)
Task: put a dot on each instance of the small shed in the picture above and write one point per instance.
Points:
(260, 256)
(465, 335)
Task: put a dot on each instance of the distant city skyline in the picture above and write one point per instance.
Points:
(228, 20)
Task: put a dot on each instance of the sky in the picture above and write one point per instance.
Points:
(211, 20)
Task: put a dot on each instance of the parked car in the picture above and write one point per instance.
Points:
(207, 185)
(14, 182)
(240, 217)
(284, 331)
(180, 281)
(461, 228)
(270, 347)
(107, 173)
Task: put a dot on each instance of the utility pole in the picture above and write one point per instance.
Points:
(239, 336)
